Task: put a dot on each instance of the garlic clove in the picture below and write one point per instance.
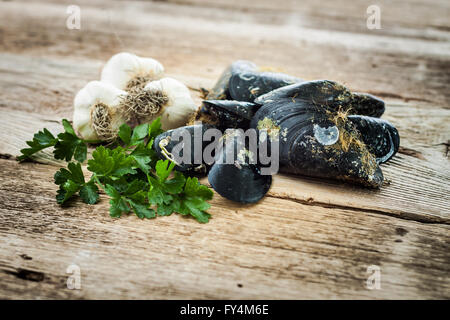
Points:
(126, 70)
(179, 105)
(97, 111)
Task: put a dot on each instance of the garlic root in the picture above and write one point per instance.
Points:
(176, 106)
(97, 111)
(130, 91)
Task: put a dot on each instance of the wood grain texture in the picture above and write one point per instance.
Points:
(309, 238)
(276, 249)
(417, 186)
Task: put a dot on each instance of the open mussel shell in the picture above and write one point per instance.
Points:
(226, 114)
(236, 175)
(380, 136)
(244, 81)
(184, 146)
(316, 137)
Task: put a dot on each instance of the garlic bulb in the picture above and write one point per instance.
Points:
(168, 98)
(179, 106)
(97, 111)
(127, 71)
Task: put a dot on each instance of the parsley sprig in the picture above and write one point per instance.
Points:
(67, 144)
(71, 181)
(130, 173)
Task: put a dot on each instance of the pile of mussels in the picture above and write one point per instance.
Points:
(322, 130)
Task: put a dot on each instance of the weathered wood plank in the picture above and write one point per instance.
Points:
(199, 41)
(308, 238)
(275, 249)
(339, 15)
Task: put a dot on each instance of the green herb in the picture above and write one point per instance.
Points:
(41, 140)
(130, 174)
(111, 163)
(72, 181)
(67, 144)
(133, 198)
(185, 196)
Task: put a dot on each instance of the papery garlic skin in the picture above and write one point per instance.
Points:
(86, 100)
(124, 66)
(180, 106)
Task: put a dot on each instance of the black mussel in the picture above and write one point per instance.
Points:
(331, 95)
(380, 136)
(244, 81)
(366, 105)
(236, 174)
(220, 90)
(226, 114)
(185, 146)
(316, 136)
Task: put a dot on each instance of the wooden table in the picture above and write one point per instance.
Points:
(308, 238)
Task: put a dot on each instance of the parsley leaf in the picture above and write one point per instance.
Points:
(163, 169)
(130, 199)
(113, 163)
(168, 209)
(175, 185)
(193, 200)
(89, 193)
(157, 194)
(41, 140)
(139, 134)
(178, 194)
(118, 204)
(125, 133)
(154, 130)
(138, 203)
(160, 188)
(73, 172)
(142, 151)
(67, 144)
(143, 156)
(71, 181)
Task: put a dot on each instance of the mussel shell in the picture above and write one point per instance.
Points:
(379, 135)
(220, 90)
(248, 85)
(318, 92)
(309, 153)
(240, 180)
(243, 81)
(311, 141)
(195, 165)
(367, 105)
(329, 95)
(229, 114)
